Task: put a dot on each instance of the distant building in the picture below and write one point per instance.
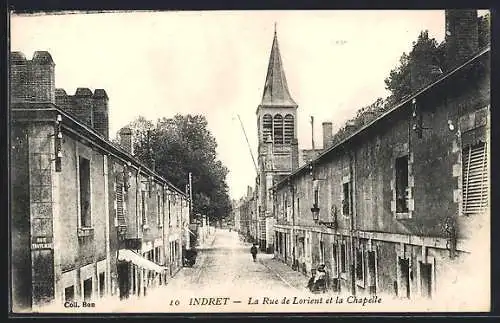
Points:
(88, 219)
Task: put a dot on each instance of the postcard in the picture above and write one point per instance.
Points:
(250, 161)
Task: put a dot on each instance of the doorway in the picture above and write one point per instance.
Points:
(123, 269)
(372, 273)
(404, 267)
(426, 280)
(87, 289)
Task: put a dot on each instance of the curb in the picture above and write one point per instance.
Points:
(277, 274)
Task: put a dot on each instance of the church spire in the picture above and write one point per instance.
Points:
(276, 89)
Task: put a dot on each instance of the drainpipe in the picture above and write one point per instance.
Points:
(137, 202)
(107, 288)
(351, 232)
(292, 237)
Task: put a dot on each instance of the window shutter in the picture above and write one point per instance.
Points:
(120, 212)
(475, 179)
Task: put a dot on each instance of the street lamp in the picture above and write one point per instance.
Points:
(315, 212)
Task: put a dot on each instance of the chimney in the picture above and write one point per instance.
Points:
(32, 80)
(42, 78)
(18, 77)
(461, 35)
(350, 126)
(63, 100)
(126, 139)
(312, 133)
(368, 116)
(327, 134)
(83, 106)
(101, 120)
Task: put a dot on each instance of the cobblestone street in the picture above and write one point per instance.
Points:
(224, 268)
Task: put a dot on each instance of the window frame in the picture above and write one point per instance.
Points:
(158, 209)
(346, 199)
(169, 213)
(404, 209)
(81, 221)
(120, 186)
(144, 216)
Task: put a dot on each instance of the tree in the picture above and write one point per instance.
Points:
(421, 66)
(484, 27)
(181, 145)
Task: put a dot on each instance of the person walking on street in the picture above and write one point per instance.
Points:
(253, 251)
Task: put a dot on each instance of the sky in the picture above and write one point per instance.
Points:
(158, 64)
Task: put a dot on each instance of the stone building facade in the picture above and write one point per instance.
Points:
(89, 220)
(401, 206)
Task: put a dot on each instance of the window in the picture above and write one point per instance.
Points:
(158, 209)
(120, 210)
(179, 215)
(346, 199)
(267, 127)
(169, 218)
(321, 252)
(474, 179)
(143, 208)
(298, 206)
(278, 129)
(69, 294)
(288, 129)
(343, 258)
(85, 207)
(285, 209)
(402, 184)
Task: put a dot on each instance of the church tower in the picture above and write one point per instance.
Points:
(277, 146)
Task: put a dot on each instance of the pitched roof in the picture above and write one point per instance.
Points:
(403, 103)
(276, 89)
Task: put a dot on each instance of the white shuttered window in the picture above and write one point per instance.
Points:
(120, 205)
(475, 179)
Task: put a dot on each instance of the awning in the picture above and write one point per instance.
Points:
(130, 256)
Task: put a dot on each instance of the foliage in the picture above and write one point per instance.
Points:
(181, 145)
(484, 28)
(417, 68)
(421, 66)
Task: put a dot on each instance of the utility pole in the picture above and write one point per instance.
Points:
(190, 193)
(312, 132)
(248, 143)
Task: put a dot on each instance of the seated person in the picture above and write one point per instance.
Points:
(320, 278)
